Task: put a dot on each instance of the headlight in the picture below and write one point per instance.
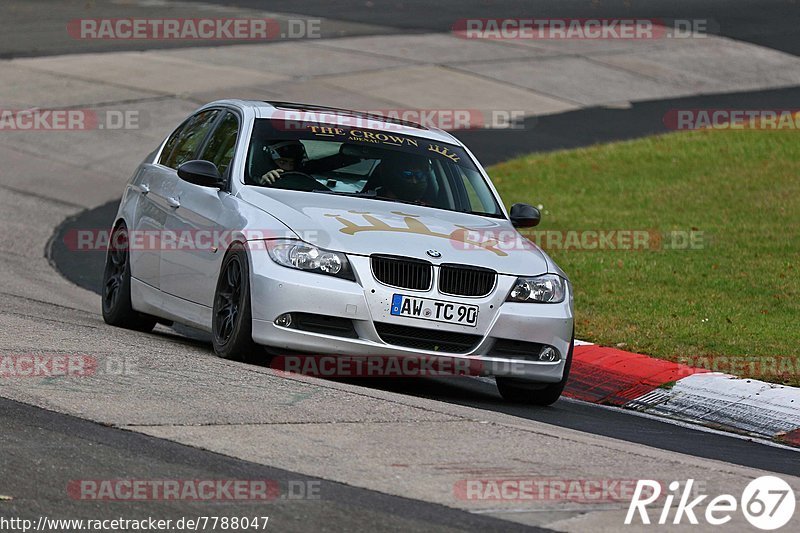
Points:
(546, 289)
(304, 256)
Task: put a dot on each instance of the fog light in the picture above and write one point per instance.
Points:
(284, 321)
(548, 354)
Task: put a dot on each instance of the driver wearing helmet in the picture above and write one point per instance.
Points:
(288, 156)
(405, 178)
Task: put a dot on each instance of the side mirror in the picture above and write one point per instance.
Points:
(203, 173)
(524, 216)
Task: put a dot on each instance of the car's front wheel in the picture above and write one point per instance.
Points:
(232, 325)
(116, 292)
(519, 391)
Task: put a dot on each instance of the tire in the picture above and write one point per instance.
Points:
(116, 291)
(531, 393)
(232, 324)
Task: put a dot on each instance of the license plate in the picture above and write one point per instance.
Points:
(435, 310)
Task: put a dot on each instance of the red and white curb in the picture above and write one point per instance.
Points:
(615, 377)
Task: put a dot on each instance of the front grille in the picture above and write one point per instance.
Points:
(462, 280)
(514, 349)
(327, 325)
(402, 272)
(427, 339)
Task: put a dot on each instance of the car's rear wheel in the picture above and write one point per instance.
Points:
(116, 292)
(232, 325)
(519, 391)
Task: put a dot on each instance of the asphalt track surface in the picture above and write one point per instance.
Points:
(43, 451)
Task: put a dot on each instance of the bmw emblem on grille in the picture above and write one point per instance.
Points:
(434, 253)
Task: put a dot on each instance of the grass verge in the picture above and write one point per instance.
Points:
(731, 303)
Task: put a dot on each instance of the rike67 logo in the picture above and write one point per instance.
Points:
(767, 503)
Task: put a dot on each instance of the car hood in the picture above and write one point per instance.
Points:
(365, 226)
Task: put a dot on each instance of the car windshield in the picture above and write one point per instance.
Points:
(360, 162)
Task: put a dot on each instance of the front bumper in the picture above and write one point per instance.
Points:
(276, 290)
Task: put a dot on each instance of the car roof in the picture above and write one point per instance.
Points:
(338, 116)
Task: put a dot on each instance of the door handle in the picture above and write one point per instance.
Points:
(174, 202)
(144, 188)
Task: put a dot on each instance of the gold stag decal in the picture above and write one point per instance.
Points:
(460, 236)
(442, 150)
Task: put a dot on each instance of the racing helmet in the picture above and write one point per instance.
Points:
(407, 176)
(293, 150)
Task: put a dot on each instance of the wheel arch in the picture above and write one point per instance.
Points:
(119, 221)
(238, 240)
